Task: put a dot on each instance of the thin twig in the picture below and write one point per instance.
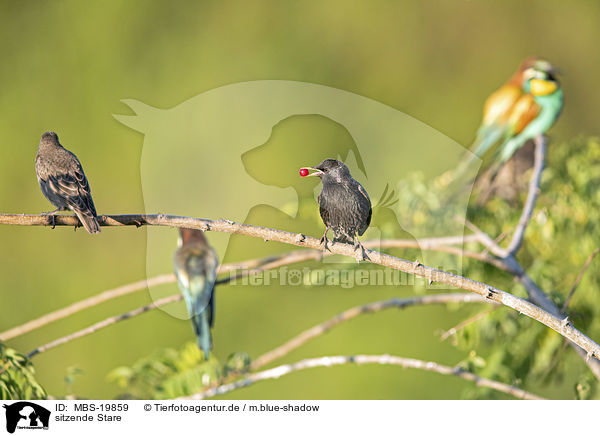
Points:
(140, 310)
(498, 239)
(128, 289)
(579, 277)
(451, 332)
(534, 190)
(104, 323)
(84, 304)
(114, 293)
(328, 361)
(435, 299)
(536, 295)
(519, 233)
(349, 314)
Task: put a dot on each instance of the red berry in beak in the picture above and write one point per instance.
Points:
(303, 172)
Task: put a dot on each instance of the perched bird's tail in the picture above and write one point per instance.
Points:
(458, 181)
(201, 312)
(202, 330)
(88, 220)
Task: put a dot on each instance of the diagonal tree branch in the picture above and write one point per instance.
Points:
(547, 315)
(324, 327)
(351, 313)
(104, 323)
(347, 315)
(118, 292)
(508, 258)
(84, 304)
(534, 190)
(140, 310)
(579, 277)
(296, 256)
(434, 275)
(328, 361)
(318, 330)
(535, 294)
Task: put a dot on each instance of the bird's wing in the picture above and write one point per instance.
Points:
(499, 104)
(496, 113)
(195, 268)
(365, 202)
(523, 112)
(85, 192)
(493, 142)
(74, 188)
(323, 208)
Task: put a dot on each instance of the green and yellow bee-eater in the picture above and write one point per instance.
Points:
(524, 107)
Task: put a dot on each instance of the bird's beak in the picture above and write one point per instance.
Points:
(554, 70)
(317, 172)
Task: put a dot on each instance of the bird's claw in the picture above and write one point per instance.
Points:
(323, 241)
(51, 219)
(416, 264)
(365, 256)
(53, 215)
(324, 245)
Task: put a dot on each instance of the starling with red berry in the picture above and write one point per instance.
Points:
(344, 204)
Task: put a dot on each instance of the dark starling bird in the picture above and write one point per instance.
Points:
(196, 270)
(63, 181)
(344, 204)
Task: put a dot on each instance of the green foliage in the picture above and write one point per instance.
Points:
(564, 230)
(586, 387)
(170, 373)
(17, 377)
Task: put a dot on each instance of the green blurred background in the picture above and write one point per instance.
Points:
(66, 66)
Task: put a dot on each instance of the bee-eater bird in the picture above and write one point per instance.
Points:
(196, 270)
(524, 107)
(63, 181)
(344, 204)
